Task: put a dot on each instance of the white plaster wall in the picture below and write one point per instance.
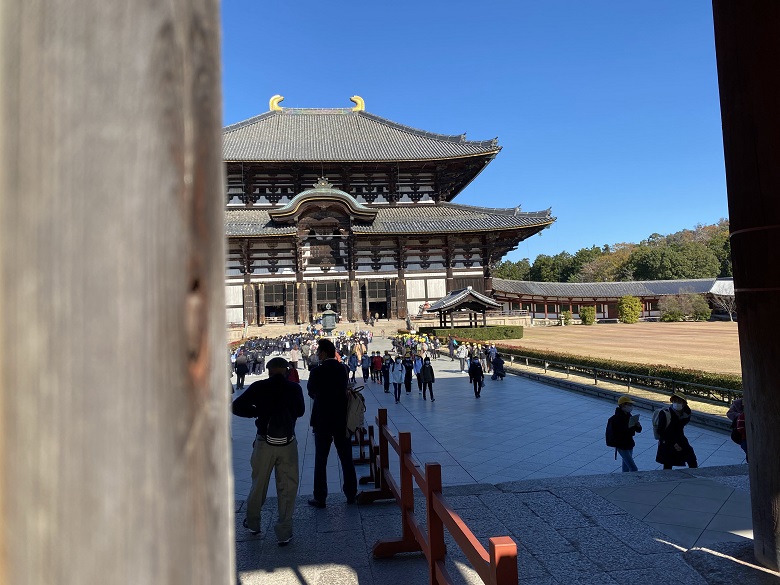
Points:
(234, 295)
(235, 315)
(437, 288)
(415, 289)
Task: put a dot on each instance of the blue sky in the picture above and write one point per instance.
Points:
(607, 111)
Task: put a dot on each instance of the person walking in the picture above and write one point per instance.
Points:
(462, 354)
(673, 446)
(418, 364)
(295, 355)
(387, 365)
(623, 432)
(397, 376)
(328, 387)
(498, 368)
(275, 404)
(242, 369)
(376, 364)
(353, 366)
(365, 366)
(476, 376)
(428, 378)
(408, 363)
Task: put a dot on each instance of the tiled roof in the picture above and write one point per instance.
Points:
(644, 288)
(338, 134)
(464, 296)
(403, 219)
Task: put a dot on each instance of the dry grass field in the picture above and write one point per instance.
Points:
(711, 346)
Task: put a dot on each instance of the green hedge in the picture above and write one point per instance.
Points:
(620, 371)
(490, 333)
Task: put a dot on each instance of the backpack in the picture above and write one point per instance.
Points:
(736, 435)
(610, 432)
(656, 422)
(356, 409)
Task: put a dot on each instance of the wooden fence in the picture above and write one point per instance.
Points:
(496, 566)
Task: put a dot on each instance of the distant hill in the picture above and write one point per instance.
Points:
(703, 252)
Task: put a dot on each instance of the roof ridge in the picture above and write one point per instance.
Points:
(513, 211)
(457, 138)
(249, 121)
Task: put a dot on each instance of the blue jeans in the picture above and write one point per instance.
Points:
(627, 455)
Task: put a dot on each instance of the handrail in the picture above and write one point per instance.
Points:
(498, 566)
(714, 393)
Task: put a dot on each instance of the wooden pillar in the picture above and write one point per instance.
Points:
(354, 300)
(342, 305)
(250, 311)
(748, 50)
(110, 196)
(261, 304)
(366, 304)
(301, 302)
(392, 301)
(289, 303)
(315, 310)
(449, 262)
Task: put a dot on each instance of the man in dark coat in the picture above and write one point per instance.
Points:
(275, 404)
(673, 447)
(242, 369)
(328, 387)
(623, 434)
(476, 375)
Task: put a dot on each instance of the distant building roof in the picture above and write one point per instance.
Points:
(403, 219)
(465, 298)
(341, 134)
(644, 288)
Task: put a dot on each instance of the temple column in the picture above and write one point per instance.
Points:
(449, 261)
(289, 303)
(302, 302)
(343, 305)
(353, 300)
(400, 284)
(747, 48)
(314, 308)
(392, 305)
(250, 311)
(261, 304)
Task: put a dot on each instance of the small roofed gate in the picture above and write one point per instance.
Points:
(465, 301)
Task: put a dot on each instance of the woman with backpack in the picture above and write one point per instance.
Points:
(476, 376)
(365, 365)
(622, 433)
(353, 365)
(673, 446)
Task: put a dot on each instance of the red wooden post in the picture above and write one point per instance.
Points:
(503, 561)
(435, 525)
(384, 461)
(407, 485)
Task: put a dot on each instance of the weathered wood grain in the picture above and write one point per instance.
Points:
(748, 51)
(114, 425)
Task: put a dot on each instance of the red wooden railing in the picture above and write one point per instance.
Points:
(496, 566)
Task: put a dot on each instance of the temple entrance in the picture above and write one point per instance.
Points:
(274, 314)
(378, 307)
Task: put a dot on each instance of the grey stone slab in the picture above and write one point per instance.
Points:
(704, 488)
(574, 567)
(652, 577)
(679, 517)
(736, 564)
(692, 503)
(536, 535)
(555, 511)
(711, 538)
(682, 536)
(636, 510)
(587, 502)
(737, 507)
(635, 533)
(738, 482)
(406, 569)
(740, 525)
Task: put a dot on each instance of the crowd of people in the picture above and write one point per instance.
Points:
(335, 363)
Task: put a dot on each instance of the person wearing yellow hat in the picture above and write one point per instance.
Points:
(673, 446)
(623, 426)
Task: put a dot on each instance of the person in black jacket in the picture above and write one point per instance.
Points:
(408, 363)
(328, 387)
(428, 378)
(623, 434)
(275, 404)
(673, 447)
(476, 375)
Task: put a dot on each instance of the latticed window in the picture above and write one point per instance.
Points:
(328, 292)
(377, 290)
(274, 294)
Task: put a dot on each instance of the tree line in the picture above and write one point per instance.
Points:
(703, 252)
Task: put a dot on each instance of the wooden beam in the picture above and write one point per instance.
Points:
(115, 464)
(748, 50)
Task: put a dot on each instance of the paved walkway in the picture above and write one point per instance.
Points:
(527, 460)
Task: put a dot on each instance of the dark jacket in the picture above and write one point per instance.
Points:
(409, 365)
(426, 374)
(623, 435)
(328, 387)
(242, 366)
(261, 399)
(476, 371)
(673, 432)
